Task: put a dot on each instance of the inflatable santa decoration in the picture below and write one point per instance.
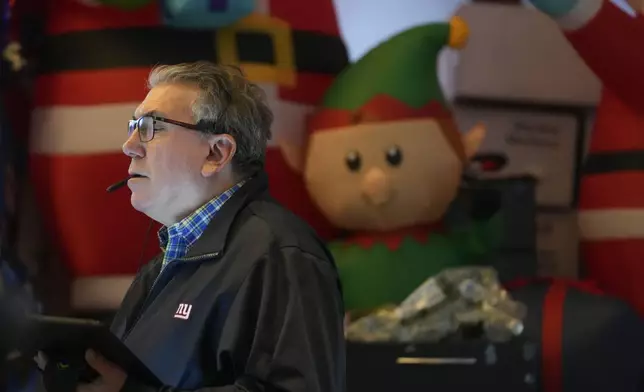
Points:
(611, 207)
(93, 74)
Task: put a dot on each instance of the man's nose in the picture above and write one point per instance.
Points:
(376, 187)
(133, 147)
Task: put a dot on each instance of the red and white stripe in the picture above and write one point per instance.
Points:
(611, 203)
(102, 128)
(611, 206)
(78, 127)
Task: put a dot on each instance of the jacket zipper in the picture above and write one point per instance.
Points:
(200, 257)
(149, 292)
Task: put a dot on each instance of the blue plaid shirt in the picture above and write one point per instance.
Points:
(178, 238)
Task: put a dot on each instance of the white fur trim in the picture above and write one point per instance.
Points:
(80, 129)
(96, 129)
(611, 224)
(100, 292)
(584, 12)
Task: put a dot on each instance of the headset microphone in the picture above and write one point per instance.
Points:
(121, 183)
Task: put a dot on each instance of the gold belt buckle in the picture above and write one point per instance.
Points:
(283, 71)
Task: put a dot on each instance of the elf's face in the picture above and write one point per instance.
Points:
(383, 176)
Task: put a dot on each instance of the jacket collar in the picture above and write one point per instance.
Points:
(213, 240)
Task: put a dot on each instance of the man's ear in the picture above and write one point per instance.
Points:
(472, 140)
(222, 150)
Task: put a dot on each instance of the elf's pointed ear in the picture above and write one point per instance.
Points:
(293, 146)
(472, 140)
(294, 156)
(222, 150)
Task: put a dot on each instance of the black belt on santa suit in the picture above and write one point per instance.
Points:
(614, 161)
(148, 46)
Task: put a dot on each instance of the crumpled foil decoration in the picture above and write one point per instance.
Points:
(443, 304)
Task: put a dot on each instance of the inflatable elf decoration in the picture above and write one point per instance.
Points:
(611, 202)
(384, 160)
(92, 75)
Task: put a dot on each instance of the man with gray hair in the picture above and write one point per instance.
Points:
(244, 296)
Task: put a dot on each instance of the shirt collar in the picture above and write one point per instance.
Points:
(190, 228)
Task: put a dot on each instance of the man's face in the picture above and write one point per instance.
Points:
(173, 162)
(383, 176)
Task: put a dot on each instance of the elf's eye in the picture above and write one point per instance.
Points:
(394, 156)
(353, 161)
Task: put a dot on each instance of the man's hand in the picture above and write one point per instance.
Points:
(111, 377)
(41, 360)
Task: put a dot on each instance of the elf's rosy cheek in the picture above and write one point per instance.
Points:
(376, 187)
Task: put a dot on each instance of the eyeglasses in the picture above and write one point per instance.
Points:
(146, 126)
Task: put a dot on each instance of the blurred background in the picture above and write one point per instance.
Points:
(560, 167)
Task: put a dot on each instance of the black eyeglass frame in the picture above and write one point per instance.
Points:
(134, 125)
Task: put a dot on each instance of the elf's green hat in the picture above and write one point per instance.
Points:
(404, 68)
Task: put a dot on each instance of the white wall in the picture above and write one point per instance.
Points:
(365, 23)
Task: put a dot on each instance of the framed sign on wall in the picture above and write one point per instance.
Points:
(546, 142)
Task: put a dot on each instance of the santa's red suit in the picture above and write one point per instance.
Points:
(93, 73)
(611, 210)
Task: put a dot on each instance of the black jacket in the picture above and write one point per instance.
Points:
(256, 305)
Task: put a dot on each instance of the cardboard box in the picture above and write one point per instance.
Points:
(558, 245)
(518, 53)
(454, 366)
